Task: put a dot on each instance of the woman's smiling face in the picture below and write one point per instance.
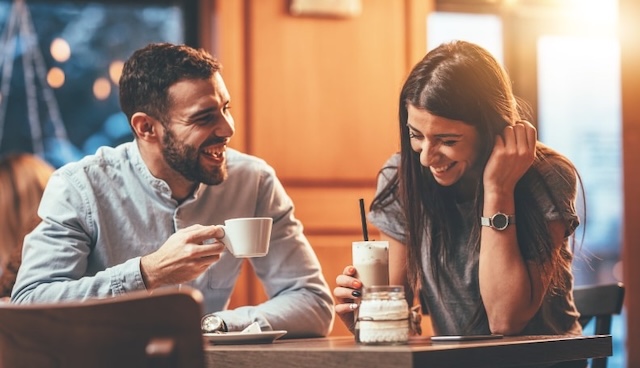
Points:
(449, 148)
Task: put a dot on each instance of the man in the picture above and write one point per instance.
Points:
(140, 216)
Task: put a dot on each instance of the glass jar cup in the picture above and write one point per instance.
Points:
(383, 316)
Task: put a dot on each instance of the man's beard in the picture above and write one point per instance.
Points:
(184, 159)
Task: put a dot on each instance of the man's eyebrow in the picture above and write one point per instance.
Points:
(442, 135)
(202, 113)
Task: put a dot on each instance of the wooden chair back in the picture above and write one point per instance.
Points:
(599, 303)
(140, 329)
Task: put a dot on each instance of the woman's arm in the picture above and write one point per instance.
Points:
(512, 289)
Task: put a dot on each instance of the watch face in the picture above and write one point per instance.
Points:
(211, 323)
(500, 221)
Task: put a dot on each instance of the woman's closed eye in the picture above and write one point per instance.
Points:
(449, 143)
(444, 142)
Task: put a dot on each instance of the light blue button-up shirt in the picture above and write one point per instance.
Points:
(102, 213)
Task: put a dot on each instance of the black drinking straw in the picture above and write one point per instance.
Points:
(363, 219)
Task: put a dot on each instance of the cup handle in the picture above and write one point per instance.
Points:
(226, 240)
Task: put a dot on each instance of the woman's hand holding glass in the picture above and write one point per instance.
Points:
(347, 294)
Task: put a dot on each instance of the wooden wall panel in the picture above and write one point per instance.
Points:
(331, 210)
(323, 91)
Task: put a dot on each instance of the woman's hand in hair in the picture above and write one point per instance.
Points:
(512, 155)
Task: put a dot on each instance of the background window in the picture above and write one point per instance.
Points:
(59, 67)
(448, 26)
(580, 115)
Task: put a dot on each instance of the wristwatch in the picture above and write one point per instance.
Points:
(499, 221)
(211, 323)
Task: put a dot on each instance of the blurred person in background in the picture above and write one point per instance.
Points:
(23, 178)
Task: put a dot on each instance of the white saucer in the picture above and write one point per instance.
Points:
(228, 338)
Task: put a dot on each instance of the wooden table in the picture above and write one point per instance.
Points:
(343, 352)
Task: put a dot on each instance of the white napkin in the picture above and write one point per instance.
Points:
(252, 328)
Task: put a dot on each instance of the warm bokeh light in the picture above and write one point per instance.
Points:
(101, 88)
(598, 17)
(60, 50)
(55, 77)
(605, 10)
(617, 271)
(576, 16)
(115, 71)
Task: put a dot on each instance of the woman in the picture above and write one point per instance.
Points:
(477, 212)
(22, 181)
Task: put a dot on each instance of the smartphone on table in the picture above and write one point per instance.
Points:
(465, 337)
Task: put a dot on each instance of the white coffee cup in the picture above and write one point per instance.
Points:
(371, 260)
(247, 237)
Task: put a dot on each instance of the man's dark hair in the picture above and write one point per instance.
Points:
(150, 71)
